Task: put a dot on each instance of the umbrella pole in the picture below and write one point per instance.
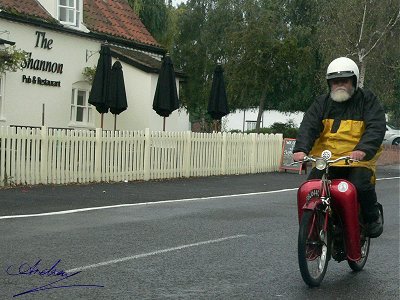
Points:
(101, 122)
(164, 124)
(115, 122)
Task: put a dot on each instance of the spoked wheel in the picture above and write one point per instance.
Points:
(365, 241)
(313, 247)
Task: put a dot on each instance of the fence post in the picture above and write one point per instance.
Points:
(97, 154)
(43, 155)
(186, 153)
(253, 152)
(147, 154)
(223, 155)
(4, 138)
(278, 150)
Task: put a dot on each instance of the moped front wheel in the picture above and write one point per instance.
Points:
(313, 247)
(365, 242)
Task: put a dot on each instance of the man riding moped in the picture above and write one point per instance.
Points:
(348, 121)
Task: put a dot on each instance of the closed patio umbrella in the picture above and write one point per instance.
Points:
(218, 102)
(117, 95)
(166, 96)
(98, 96)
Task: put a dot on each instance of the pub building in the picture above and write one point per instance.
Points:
(61, 39)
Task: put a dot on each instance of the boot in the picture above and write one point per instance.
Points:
(375, 228)
(372, 213)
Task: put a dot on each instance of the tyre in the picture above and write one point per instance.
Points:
(365, 242)
(313, 247)
(396, 142)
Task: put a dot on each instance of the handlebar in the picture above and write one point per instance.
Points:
(328, 162)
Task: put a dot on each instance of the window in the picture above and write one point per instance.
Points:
(251, 125)
(81, 110)
(69, 12)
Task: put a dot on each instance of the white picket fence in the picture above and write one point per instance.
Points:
(30, 156)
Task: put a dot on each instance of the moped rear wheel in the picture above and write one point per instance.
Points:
(313, 247)
(365, 242)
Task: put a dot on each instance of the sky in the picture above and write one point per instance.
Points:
(176, 2)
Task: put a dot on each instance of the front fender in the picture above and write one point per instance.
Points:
(308, 196)
(309, 205)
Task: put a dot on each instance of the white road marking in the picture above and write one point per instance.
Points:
(64, 212)
(118, 260)
(387, 178)
(72, 211)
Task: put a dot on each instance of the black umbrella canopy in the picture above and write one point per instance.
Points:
(166, 96)
(99, 92)
(117, 95)
(218, 102)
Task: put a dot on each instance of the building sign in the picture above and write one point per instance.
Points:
(42, 65)
(40, 81)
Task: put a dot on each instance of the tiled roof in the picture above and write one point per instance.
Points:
(3, 41)
(30, 8)
(140, 60)
(106, 17)
(116, 18)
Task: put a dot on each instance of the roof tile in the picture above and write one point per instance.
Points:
(116, 18)
(30, 8)
(110, 17)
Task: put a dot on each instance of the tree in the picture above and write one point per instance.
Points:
(258, 51)
(200, 45)
(368, 32)
(269, 61)
(302, 17)
(275, 52)
(155, 16)
(363, 27)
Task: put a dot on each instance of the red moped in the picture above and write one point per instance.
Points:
(331, 225)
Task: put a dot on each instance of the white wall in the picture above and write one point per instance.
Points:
(174, 121)
(140, 89)
(50, 6)
(23, 101)
(236, 120)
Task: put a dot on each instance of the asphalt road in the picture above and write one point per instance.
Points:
(231, 237)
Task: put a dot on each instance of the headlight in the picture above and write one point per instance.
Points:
(320, 164)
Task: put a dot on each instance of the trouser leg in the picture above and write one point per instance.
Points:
(362, 179)
(315, 174)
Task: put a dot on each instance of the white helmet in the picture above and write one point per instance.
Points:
(343, 67)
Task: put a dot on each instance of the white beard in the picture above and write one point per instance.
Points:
(341, 95)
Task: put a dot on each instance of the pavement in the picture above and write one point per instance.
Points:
(51, 198)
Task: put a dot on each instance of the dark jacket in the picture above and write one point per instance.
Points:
(356, 124)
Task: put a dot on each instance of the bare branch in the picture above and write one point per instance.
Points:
(372, 37)
(392, 22)
(362, 25)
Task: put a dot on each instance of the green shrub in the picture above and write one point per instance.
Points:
(289, 130)
(235, 131)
